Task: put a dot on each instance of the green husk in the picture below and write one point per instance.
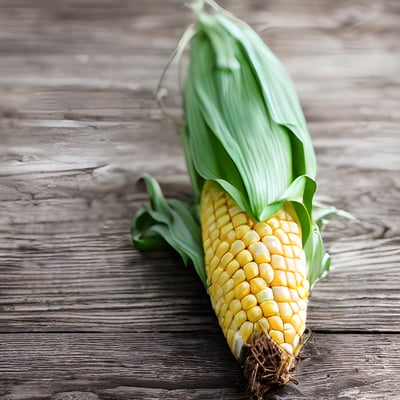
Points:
(245, 130)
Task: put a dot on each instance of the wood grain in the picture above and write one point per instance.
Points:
(127, 369)
(84, 316)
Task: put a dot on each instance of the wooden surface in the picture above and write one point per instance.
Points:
(83, 316)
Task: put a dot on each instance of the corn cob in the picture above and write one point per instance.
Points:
(250, 233)
(257, 281)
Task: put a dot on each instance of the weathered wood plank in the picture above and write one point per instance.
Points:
(130, 366)
(93, 282)
(79, 307)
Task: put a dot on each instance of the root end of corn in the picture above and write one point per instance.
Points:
(266, 364)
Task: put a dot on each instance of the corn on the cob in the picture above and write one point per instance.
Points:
(252, 168)
(256, 272)
(257, 280)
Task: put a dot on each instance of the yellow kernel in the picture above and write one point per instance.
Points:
(211, 224)
(249, 301)
(222, 248)
(211, 291)
(273, 222)
(228, 285)
(294, 227)
(276, 336)
(302, 329)
(302, 304)
(241, 230)
(235, 306)
(234, 210)
(246, 330)
(244, 257)
(262, 325)
(231, 236)
(209, 255)
(303, 293)
(221, 210)
(238, 276)
(229, 296)
(265, 294)
(274, 246)
(263, 229)
(227, 258)
(219, 292)
(299, 278)
(260, 252)
(287, 347)
(219, 304)
(224, 308)
(278, 262)
(303, 315)
(275, 322)
(279, 278)
(234, 326)
(295, 240)
(293, 294)
(227, 319)
(291, 280)
(290, 264)
(223, 278)
(296, 322)
(285, 312)
(213, 264)
(281, 235)
(297, 251)
(281, 293)
(214, 235)
(289, 333)
(237, 247)
(287, 250)
(230, 338)
(266, 272)
(240, 318)
(296, 341)
(295, 307)
(242, 289)
(225, 230)
(222, 221)
(207, 243)
(251, 270)
(282, 215)
(258, 328)
(232, 267)
(254, 314)
(219, 201)
(250, 237)
(285, 226)
(270, 308)
(257, 284)
(239, 219)
(216, 274)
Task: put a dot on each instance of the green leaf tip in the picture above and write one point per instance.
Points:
(245, 127)
(169, 222)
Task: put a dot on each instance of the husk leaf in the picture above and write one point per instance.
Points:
(244, 130)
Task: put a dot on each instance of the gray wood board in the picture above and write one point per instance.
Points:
(124, 366)
(85, 316)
